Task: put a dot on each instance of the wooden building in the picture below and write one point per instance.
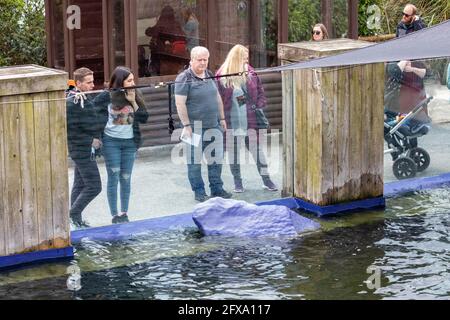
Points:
(153, 38)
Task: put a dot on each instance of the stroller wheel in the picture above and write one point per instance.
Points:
(405, 168)
(421, 158)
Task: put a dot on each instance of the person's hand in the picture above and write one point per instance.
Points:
(96, 144)
(223, 123)
(187, 132)
(402, 65)
(408, 67)
(130, 95)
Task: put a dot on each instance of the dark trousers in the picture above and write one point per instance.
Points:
(252, 143)
(86, 186)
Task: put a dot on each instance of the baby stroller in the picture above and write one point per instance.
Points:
(401, 136)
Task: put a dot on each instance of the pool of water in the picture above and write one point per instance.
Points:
(400, 253)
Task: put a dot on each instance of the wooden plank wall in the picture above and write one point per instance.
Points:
(12, 179)
(59, 180)
(288, 114)
(28, 169)
(2, 187)
(34, 197)
(155, 132)
(88, 41)
(339, 141)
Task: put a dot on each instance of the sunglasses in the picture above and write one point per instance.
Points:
(407, 15)
(317, 33)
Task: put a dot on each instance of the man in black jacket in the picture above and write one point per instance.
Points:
(84, 140)
(410, 21)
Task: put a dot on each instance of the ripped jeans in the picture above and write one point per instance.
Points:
(120, 155)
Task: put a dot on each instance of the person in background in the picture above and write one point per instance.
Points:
(167, 36)
(200, 109)
(319, 32)
(412, 73)
(120, 116)
(242, 97)
(190, 27)
(410, 21)
(412, 89)
(83, 135)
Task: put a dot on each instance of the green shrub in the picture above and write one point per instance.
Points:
(22, 32)
(303, 15)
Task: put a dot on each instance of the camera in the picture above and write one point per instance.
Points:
(241, 100)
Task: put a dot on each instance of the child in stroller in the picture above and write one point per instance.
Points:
(401, 133)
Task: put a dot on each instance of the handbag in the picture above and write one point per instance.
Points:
(261, 119)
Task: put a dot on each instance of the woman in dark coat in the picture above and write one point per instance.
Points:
(243, 97)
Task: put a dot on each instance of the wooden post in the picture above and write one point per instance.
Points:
(337, 128)
(34, 197)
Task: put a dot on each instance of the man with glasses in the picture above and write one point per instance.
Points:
(410, 21)
(405, 88)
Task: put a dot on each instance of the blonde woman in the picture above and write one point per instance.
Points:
(243, 96)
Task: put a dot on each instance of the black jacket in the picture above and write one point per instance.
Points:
(82, 127)
(102, 102)
(403, 29)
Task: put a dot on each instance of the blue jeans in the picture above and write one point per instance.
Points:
(214, 157)
(120, 155)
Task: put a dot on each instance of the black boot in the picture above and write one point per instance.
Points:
(78, 222)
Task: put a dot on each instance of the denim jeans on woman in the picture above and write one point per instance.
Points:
(120, 155)
(214, 158)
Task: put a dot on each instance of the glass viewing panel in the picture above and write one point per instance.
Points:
(166, 33)
(160, 185)
(117, 33)
(88, 41)
(340, 19)
(58, 34)
(420, 147)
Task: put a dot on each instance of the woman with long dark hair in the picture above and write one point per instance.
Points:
(121, 137)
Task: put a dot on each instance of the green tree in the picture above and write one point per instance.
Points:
(22, 32)
(432, 12)
(303, 15)
(364, 16)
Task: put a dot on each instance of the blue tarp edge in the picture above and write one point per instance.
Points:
(36, 257)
